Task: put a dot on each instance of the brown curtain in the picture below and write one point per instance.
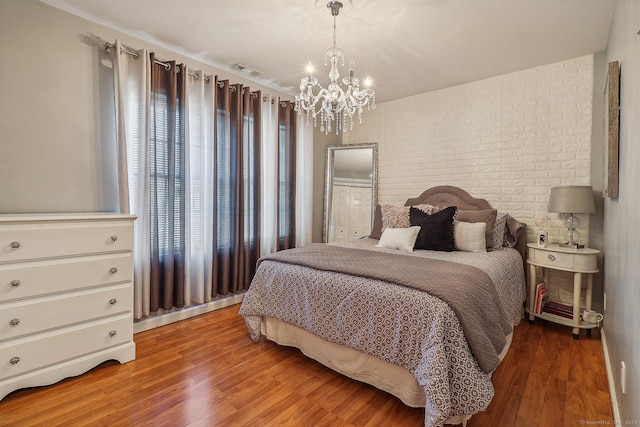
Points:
(167, 184)
(252, 132)
(286, 175)
(236, 198)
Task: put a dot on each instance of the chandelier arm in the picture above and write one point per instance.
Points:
(320, 96)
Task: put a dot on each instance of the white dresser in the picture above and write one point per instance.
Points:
(66, 295)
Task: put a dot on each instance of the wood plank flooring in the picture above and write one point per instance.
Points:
(205, 371)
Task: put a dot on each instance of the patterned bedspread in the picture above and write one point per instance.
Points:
(397, 324)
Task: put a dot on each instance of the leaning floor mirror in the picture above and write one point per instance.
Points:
(350, 193)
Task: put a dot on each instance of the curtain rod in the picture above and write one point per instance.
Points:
(273, 101)
(123, 49)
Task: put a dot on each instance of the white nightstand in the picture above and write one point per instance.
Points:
(576, 261)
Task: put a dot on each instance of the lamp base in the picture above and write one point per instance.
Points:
(571, 245)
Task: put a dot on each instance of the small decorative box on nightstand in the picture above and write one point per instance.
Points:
(576, 261)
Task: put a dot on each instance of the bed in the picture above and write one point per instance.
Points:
(427, 344)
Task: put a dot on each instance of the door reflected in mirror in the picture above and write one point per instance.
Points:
(350, 191)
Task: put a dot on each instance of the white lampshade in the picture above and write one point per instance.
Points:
(571, 199)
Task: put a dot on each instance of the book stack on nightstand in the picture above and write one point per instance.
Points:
(541, 297)
(558, 309)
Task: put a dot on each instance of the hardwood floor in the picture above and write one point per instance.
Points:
(206, 371)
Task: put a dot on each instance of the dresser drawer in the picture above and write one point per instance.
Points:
(36, 241)
(42, 314)
(29, 279)
(39, 351)
(554, 260)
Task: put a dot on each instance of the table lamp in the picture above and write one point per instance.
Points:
(571, 200)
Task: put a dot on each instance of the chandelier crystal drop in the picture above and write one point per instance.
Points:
(334, 103)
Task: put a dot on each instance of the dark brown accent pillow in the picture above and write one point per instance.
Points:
(436, 231)
(376, 231)
(487, 216)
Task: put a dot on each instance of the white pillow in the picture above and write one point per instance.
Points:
(469, 236)
(399, 238)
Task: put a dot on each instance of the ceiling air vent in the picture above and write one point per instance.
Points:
(246, 70)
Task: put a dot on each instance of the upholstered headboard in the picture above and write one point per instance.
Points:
(447, 195)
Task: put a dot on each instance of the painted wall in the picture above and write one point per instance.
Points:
(57, 150)
(621, 233)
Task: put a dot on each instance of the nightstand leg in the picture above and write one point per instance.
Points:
(532, 292)
(588, 296)
(577, 285)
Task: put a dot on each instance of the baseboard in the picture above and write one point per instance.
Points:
(186, 313)
(612, 385)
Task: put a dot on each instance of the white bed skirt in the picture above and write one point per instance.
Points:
(378, 373)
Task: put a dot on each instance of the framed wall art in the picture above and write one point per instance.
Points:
(612, 130)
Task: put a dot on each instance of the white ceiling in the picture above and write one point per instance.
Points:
(406, 46)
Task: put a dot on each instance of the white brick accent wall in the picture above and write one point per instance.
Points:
(506, 139)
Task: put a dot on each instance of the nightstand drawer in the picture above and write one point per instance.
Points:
(553, 259)
(585, 262)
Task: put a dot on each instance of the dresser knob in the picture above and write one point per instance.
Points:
(113, 270)
(113, 301)
(14, 360)
(551, 257)
(112, 333)
(14, 322)
(14, 246)
(15, 283)
(113, 238)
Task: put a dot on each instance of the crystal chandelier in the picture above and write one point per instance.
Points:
(334, 103)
